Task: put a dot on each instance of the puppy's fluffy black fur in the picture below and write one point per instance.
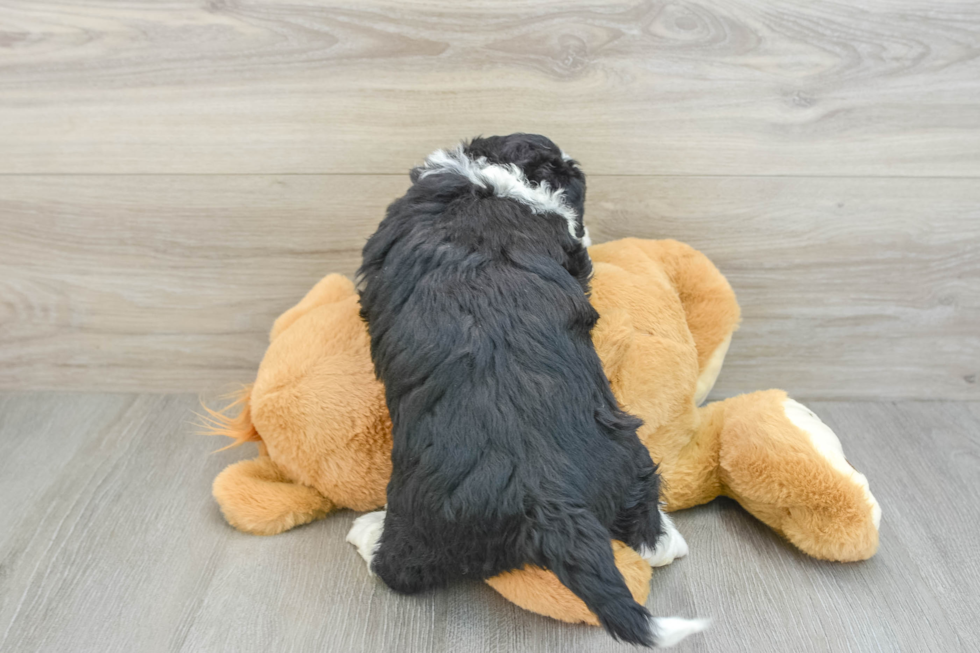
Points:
(509, 446)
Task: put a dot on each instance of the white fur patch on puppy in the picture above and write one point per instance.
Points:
(365, 534)
(670, 546)
(671, 630)
(827, 444)
(506, 181)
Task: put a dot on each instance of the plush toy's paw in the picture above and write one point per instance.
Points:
(788, 469)
(827, 444)
(257, 497)
(365, 534)
(670, 546)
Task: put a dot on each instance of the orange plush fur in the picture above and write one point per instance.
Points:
(667, 317)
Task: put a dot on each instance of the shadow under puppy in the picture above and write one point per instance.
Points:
(509, 447)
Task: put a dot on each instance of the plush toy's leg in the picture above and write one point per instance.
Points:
(709, 303)
(787, 468)
(710, 371)
(256, 497)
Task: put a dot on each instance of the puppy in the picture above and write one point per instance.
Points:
(509, 446)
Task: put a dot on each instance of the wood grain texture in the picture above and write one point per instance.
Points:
(849, 288)
(112, 543)
(872, 87)
(165, 282)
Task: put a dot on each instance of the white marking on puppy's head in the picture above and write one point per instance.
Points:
(507, 181)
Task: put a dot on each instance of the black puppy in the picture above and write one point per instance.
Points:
(509, 446)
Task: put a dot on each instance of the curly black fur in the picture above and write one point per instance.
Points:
(509, 446)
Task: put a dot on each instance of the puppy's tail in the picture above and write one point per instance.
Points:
(576, 548)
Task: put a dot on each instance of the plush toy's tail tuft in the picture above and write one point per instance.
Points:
(239, 427)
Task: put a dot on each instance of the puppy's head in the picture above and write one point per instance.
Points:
(525, 168)
(542, 163)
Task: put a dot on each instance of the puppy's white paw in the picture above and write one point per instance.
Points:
(670, 546)
(365, 534)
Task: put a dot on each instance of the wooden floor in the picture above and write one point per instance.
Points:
(111, 542)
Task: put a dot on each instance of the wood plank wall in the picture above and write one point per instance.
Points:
(173, 175)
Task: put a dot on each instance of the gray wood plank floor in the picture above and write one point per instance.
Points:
(111, 542)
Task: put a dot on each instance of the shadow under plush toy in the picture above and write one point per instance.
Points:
(667, 316)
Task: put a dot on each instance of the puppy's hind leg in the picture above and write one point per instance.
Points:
(404, 563)
(668, 547)
(642, 526)
(365, 534)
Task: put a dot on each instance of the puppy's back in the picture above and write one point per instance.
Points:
(509, 447)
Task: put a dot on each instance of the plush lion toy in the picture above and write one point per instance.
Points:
(667, 316)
